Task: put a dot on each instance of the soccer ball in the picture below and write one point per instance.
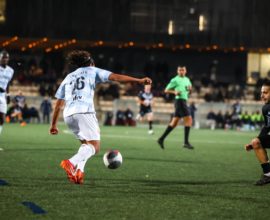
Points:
(112, 159)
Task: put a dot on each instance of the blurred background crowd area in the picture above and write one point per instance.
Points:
(224, 45)
(43, 73)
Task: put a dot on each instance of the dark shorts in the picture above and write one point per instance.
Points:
(265, 141)
(145, 110)
(181, 108)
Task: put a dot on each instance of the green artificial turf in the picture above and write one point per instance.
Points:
(214, 181)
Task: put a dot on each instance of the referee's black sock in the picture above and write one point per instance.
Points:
(166, 132)
(187, 129)
(150, 125)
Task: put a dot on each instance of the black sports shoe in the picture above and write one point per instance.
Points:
(161, 143)
(264, 180)
(188, 146)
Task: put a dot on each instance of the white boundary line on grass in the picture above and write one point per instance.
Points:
(153, 138)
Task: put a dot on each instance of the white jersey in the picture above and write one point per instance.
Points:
(77, 89)
(6, 75)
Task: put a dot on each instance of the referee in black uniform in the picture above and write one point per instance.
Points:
(260, 143)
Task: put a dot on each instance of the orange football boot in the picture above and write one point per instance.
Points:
(79, 177)
(70, 170)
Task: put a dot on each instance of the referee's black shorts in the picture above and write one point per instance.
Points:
(265, 141)
(181, 108)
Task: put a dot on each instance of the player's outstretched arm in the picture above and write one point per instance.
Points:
(125, 78)
(170, 91)
(59, 104)
(140, 102)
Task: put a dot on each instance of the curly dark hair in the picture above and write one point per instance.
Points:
(79, 58)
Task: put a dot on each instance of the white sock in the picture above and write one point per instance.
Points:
(1, 128)
(81, 165)
(84, 153)
(267, 174)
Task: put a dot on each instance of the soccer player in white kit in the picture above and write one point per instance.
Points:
(6, 74)
(76, 92)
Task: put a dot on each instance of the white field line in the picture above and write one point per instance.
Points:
(148, 137)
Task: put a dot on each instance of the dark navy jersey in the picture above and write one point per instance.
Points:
(146, 98)
(266, 115)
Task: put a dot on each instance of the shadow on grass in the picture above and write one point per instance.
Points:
(102, 188)
(117, 183)
(160, 183)
(199, 189)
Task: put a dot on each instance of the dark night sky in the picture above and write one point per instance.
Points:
(229, 22)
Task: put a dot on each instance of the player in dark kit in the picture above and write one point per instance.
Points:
(180, 86)
(260, 143)
(145, 99)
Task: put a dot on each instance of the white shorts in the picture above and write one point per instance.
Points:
(84, 126)
(3, 103)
